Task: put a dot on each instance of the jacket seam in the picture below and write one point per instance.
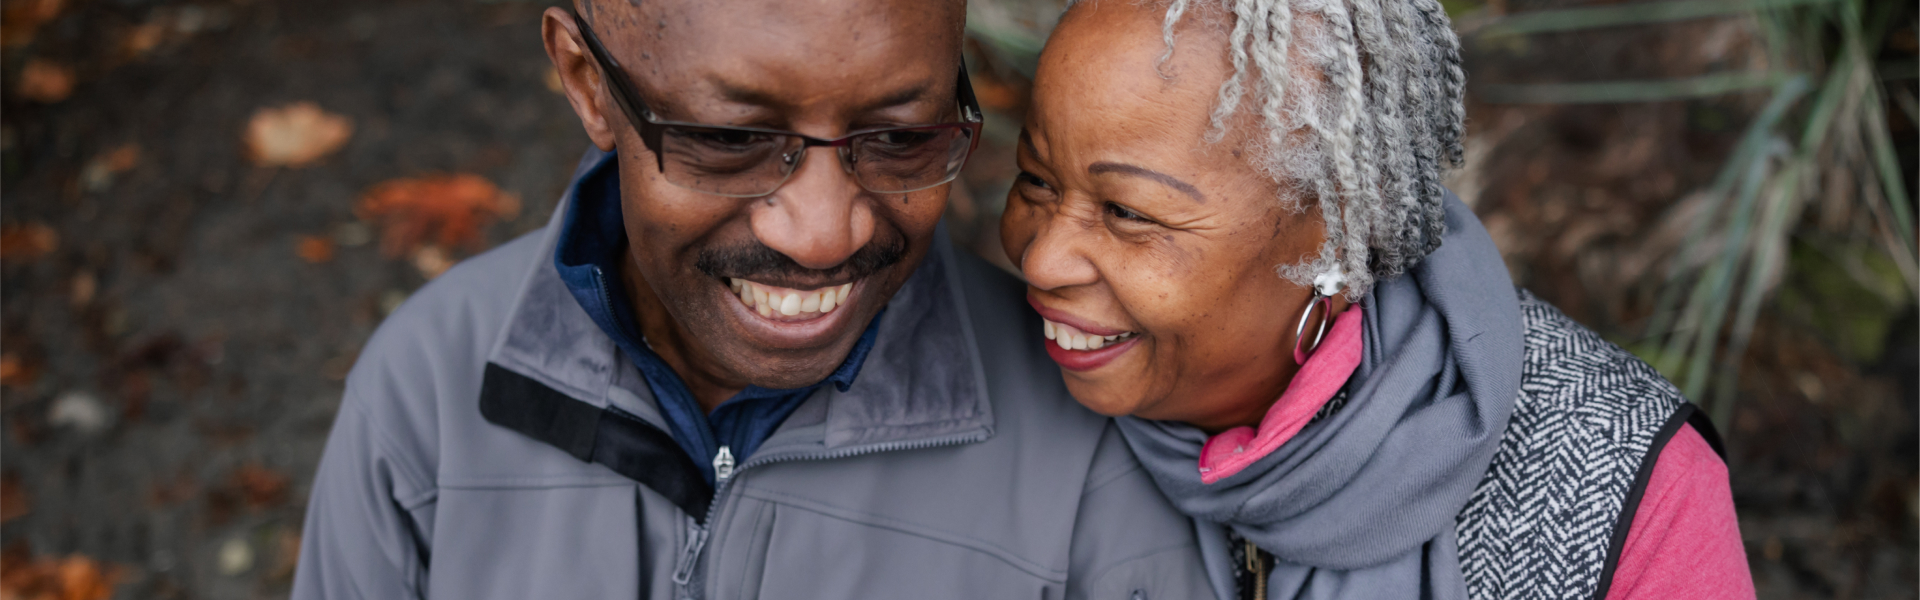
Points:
(384, 444)
(1095, 486)
(1128, 561)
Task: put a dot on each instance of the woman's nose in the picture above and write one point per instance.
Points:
(1057, 258)
(818, 217)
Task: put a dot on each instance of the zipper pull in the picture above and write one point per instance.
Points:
(723, 464)
(690, 554)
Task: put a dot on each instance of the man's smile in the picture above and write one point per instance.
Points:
(787, 304)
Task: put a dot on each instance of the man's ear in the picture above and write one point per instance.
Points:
(579, 75)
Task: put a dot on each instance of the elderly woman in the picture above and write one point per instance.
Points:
(1230, 216)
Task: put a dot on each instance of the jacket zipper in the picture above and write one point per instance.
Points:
(698, 533)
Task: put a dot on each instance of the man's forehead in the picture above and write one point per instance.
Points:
(750, 25)
(786, 53)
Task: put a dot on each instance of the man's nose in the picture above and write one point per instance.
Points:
(818, 217)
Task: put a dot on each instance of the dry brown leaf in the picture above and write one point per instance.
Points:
(45, 81)
(21, 18)
(449, 209)
(20, 243)
(143, 38)
(14, 502)
(286, 555)
(260, 487)
(99, 172)
(295, 135)
(81, 291)
(75, 577)
(16, 372)
(315, 249)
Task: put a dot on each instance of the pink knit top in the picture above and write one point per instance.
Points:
(1684, 542)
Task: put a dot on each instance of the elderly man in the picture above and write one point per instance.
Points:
(741, 361)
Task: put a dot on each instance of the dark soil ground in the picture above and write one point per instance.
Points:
(174, 363)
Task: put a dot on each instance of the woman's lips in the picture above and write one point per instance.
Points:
(1087, 360)
(1078, 345)
(1070, 320)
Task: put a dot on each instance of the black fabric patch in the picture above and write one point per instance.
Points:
(627, 445)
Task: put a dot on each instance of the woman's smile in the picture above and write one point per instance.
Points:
(1079, 344)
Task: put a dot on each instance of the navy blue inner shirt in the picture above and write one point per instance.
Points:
(588, 257)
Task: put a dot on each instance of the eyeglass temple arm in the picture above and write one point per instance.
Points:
(623, 93)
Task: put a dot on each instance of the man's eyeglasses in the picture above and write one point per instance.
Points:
(747, 162)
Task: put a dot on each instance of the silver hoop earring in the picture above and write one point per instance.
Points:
(1325, 302)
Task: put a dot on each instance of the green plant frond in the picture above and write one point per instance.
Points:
(1629, 91)
(1638, 13)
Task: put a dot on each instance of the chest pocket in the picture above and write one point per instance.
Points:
(783, 548)
(563, 542)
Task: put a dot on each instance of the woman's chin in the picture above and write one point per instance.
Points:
(1101, 398)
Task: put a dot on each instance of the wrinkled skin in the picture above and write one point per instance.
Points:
(1125, 218)
(820, 69)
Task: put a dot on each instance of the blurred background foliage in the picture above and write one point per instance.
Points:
(210, 204)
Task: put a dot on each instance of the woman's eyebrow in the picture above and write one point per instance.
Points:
(1164, 179)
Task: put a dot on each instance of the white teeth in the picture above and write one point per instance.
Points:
(822, 301)
(1073, 339)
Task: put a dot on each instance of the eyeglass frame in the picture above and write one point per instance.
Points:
(652, 129)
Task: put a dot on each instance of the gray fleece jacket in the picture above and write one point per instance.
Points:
(956, 466)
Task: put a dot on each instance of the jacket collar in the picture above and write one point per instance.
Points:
(922, 380)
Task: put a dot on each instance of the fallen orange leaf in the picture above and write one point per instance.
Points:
(23, 17)
(315, 249)
(260, 487)
(15, 371)
(451, 209)
(27, 242)
(13, 500)
(294, 135)
(143, 38)
(75, 577)
(45, 81)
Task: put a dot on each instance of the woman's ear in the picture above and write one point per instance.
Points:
(579, 75)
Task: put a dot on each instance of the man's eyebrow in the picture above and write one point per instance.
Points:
(1026, 141)
(1164, 179)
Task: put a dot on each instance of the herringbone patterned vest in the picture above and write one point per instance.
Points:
(1551, 515)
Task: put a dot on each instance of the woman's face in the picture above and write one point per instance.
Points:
(1140, 237)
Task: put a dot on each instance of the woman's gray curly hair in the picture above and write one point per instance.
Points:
(1367, 130)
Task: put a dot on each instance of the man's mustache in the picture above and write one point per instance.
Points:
(759, 263)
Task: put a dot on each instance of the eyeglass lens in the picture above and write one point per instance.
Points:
(736, 162)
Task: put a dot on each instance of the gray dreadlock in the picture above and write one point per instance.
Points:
(1367, 130)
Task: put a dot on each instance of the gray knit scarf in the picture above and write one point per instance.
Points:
(1362, 504)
